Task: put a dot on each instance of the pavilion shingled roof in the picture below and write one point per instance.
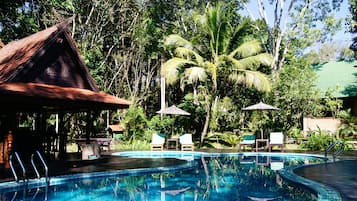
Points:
(17, 53)
(17, 57)
(67, 94)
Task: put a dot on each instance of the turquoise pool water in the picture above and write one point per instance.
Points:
(228, 177)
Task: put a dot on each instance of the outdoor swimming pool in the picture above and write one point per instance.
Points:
(212, 176)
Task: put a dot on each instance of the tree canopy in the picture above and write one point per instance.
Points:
(215, 59)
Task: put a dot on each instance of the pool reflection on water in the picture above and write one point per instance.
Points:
(230, 177)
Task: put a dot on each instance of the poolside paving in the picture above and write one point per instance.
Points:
(340, 175)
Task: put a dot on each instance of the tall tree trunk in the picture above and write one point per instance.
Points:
(208, 118)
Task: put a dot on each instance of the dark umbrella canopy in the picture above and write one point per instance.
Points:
(173, 110)
(261, 106)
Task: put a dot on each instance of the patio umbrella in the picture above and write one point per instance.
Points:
(174, 111)
(260, 107)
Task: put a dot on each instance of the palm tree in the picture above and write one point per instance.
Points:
(239, 63)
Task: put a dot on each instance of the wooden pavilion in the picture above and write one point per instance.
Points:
(44, 74)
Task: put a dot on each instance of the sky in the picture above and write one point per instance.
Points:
(343, 38)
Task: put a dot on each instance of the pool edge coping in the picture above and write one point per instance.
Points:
(57, 180)
(324, 192)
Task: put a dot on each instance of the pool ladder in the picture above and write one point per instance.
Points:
(37, 153)
(341, 148)
(21, 165)
(23, 169)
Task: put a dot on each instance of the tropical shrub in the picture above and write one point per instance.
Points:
(132, 145)
(318, 140)
(348, 126)
(135, 123)
(230, 139)
(222, 140)
(294, 132)
(157, 125)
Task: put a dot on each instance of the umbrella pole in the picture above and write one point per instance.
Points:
(261, 124)
(173, 126)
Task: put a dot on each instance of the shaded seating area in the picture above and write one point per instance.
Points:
(43, 76)
(186, 142)
(248, 140)
(276, 139)
(157, 142)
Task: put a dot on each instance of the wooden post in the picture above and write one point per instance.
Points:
(2, 152)
(8, 148)
(88, 126)
(62, 137)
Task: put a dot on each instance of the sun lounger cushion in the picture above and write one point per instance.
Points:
(186, 142)
(157, 142)
(276, 139)
(248, 139)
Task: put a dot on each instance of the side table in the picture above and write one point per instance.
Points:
(257, 141)
(172, 143)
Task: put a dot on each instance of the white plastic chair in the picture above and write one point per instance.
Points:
(276, 139)
(157, 142)
(186, 142)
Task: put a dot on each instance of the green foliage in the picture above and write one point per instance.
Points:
(26, 120)
(332, 104)
(222, 140)
(348, 126)
(295, 133)
(224, 60)
(135, 122)
(213, 140)
(123, 45)
(133, 145)
(318, 140)
(51, 120)
(353, 24)
(231, 139)
(312, 58)
(76, 124)
(91, 58)
(195, 105)
(17, 20)
(325, 53)
(227, 118)
(294, 94)
(346, 54)
(158, 125)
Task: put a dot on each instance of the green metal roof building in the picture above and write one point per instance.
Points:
(341, 74)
